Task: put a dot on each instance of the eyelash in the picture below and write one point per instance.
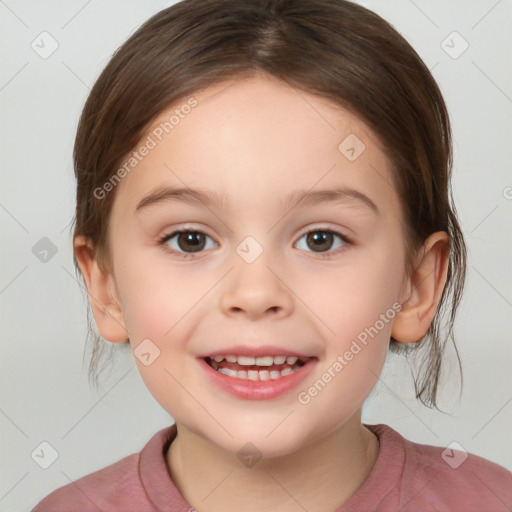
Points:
(187, 256)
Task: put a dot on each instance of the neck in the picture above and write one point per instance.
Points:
(322, 476)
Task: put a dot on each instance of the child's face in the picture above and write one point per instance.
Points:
(254, 143)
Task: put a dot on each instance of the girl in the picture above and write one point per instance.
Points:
(263, 210)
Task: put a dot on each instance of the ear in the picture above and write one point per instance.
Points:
(102, 293)
(423, 290)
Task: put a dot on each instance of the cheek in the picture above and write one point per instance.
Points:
(156, 296)
(163, 303)
(359, 314)
(354, 296)
(159, 306)
(356, 305)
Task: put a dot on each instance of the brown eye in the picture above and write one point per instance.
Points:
(319, 241)
(186, 241)
(323, 241)
(191, 240)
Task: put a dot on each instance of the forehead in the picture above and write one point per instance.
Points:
(255, 139)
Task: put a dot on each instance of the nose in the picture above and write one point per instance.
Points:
(257, 290)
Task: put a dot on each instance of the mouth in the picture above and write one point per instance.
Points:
(256, 368)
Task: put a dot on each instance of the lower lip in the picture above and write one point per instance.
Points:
(260, 389)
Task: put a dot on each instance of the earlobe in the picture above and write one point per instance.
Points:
(425, 287)
(102, 293)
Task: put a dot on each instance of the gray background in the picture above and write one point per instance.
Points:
(45, 394)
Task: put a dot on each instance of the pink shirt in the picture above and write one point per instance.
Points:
(407, 477)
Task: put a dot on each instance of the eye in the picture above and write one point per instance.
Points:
(322, 240)
(188, 241)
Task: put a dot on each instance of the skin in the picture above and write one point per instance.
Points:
(255, 140)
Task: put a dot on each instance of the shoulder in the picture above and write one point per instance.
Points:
(94, 492)
(119, 486)
(451, 478)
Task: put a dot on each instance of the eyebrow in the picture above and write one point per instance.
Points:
(294, 199)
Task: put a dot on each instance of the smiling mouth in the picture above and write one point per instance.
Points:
(256, 369)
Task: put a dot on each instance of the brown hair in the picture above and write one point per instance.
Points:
(335, 49)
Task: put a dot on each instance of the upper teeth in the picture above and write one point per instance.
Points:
(260, 361)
